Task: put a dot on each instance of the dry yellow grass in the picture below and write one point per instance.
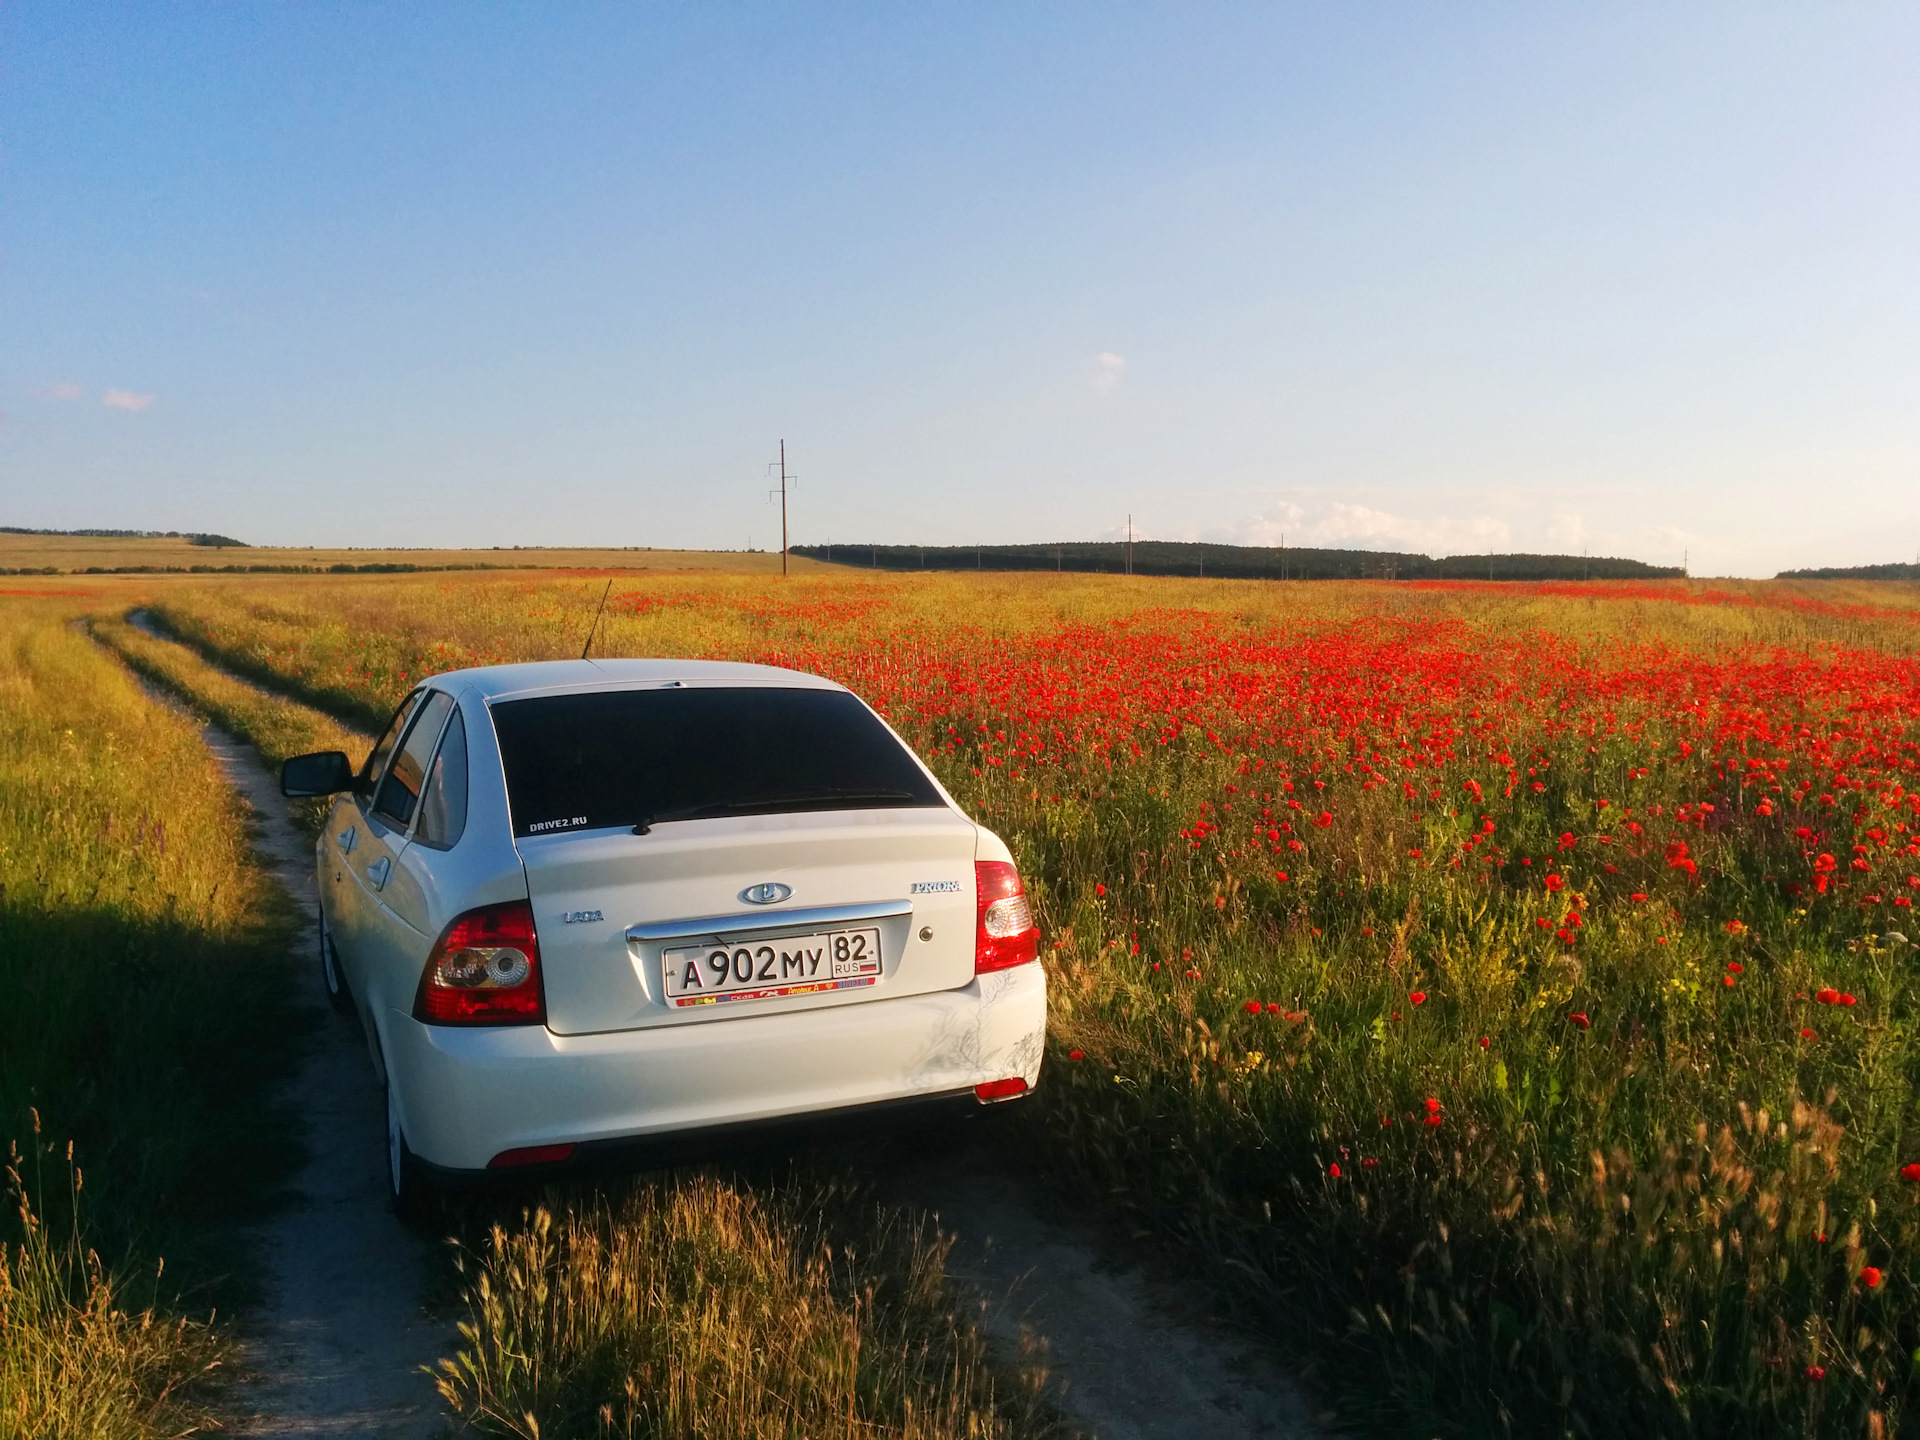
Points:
(703, 1306)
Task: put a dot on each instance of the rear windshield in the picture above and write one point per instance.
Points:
(645, 757)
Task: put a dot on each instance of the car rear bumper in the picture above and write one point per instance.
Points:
(467, 1095)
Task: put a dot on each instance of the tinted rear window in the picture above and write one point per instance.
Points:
(628, 757)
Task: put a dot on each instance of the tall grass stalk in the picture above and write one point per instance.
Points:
(701, 1306)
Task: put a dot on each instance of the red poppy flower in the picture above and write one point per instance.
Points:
(1333, 1170)
(1369, 1163)
(1254, 1007)
(1638, 896)
(1274, 1007)
(1433, 1121)
(1911, 1171)
(1076, 1054)
(1485, 1041)
(1846, 999)
(1324, 819)
(1827, 996)
(1816, 1372)
(1554, 882)
(1433, 1105)
(1099, 889)
(1418, 997)
(1870, 1276)
(1734, 967)
(1808, 1035)
(1579, 1017)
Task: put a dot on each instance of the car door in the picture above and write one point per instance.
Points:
(353, 851)
(398, 930)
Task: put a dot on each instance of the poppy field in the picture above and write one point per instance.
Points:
(1502, 993)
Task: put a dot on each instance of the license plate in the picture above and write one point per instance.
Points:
(768, 969)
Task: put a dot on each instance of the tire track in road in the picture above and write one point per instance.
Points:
(342, 1345)
(1134, 1357)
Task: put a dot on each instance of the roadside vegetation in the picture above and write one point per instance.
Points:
(1506, 991)
(702, 1304)
(274, 725)
(147, 1018)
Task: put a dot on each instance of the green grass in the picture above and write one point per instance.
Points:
(149, 1016)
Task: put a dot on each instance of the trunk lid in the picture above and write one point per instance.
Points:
(609, 904)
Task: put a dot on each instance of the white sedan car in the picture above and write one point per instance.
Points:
(581, 904)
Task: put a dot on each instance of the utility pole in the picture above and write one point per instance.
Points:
(785, 478)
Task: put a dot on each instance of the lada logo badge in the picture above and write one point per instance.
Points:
(769, 892)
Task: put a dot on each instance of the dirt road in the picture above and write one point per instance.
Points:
(342, 1345)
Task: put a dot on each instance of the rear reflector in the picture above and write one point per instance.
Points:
(531, 1155)
(996, 1090)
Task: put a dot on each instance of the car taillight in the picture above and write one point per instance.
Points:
(1006, 935)
(484, 971)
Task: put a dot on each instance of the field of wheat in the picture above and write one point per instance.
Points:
(1503, 994)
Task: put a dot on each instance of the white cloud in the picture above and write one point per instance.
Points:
(1360, 527)
(1568, 531)
(1107, 370)
(1282, 524)
(126, 400)
(64, 391)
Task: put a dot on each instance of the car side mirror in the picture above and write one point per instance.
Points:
(325, 772)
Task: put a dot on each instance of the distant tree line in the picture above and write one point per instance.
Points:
(1236, 562)
(1896, 571)
(192, 537)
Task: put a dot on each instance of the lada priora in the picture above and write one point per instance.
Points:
(586, 903)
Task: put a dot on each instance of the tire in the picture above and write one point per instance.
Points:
(331, 978)
(411, 1194)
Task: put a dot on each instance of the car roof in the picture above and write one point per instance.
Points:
(497, 682)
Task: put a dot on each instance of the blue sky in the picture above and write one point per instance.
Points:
(1440, 278)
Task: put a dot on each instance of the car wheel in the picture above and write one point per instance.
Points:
(338, 995)
(407, 1185)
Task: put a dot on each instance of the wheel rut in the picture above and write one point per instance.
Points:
(342, 1345)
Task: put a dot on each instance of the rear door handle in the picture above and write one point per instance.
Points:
(349, 838)
(379, 870)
